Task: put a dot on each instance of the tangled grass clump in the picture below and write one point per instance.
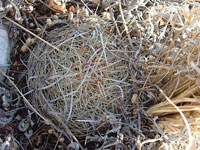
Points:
(80, 87)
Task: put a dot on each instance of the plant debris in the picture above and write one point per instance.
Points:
(101, 74)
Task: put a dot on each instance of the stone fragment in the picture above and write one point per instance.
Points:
(4, 50)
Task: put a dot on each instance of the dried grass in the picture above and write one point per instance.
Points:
(176, 72)
(80, 87)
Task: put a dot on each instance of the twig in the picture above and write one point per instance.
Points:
(103, 46)
(87, 7)
(24, 98)
(57, 49)
(57, 141)
(115, 23)
(124, 22)
(67, 132)
(149, 141)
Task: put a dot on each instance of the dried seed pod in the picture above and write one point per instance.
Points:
(31, 25)
(62, 140)
(29, 42)
(33, 41)
(169, 59)
(38, 30)
(30, 9)
(24, 48)
(134, 99)
(106, 15)
(50, 131)
(54, 17)
(20, 20)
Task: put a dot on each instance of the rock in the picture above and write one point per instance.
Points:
(4, 50)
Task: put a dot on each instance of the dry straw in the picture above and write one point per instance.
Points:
(81, 87)
(178, 78)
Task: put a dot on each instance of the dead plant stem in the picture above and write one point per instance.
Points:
(124, 23)
(183, 116)
(54, 47)
(24, 98)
